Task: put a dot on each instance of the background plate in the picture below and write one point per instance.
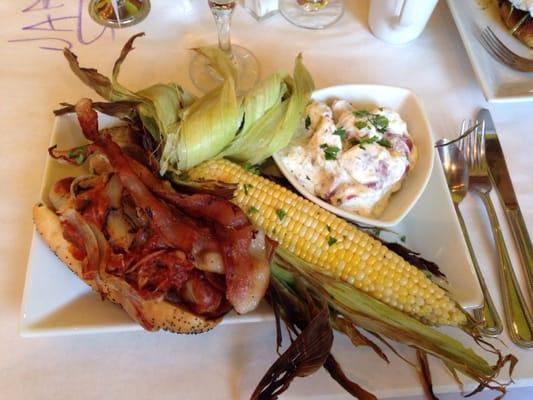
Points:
(498, 82)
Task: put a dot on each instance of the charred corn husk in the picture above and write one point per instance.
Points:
(338, 248)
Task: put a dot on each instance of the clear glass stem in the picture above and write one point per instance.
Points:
(204, 76)
(222, 17)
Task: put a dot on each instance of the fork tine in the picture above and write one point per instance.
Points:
(462, 143)
(497, 49)
(468, 145)
(500, 46)
(466, 148)
(507, 50)
(482, 143)
(489, 44)
(475, 146)
(473, 137)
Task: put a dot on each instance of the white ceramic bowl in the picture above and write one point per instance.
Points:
(410, 109)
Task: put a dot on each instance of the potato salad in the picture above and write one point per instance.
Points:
(353, 158)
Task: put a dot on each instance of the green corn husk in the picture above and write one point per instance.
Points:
(159, 106)
(380, 319)
(191, 130)
(272, 119)
(265, 95)
(209, 124)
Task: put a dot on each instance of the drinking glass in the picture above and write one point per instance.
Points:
(312, 14)
(119, 13)
(203, 75)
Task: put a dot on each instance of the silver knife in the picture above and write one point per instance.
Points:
(502, 180)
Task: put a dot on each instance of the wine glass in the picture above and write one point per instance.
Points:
(119, 13)
(204, 76)
(312, 14)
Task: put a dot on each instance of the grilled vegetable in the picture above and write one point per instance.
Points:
(298, 293)
(336, 247)
(219, 124)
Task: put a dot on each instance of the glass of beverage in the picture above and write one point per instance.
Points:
(312, 14)
(119, 13)
(203, 75)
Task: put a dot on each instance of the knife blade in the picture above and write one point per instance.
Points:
(502, 181)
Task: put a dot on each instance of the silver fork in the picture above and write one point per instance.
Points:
(518, 319)
(497, 49)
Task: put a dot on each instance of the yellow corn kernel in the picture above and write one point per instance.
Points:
(335, 246)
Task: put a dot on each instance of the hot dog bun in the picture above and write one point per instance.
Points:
(158, 313)
(511, 17)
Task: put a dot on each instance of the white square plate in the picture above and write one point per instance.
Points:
(499, 83)
(56, 302)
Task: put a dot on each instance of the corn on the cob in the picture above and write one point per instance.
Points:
(338, 248)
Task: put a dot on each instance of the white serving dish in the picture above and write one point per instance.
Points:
(410, 109)
(499, 83)
(55, 302)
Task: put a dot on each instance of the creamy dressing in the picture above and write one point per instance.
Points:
(353, 158)
(524, 5)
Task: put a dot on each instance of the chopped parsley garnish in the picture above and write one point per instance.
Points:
(330, 152)
(78, 154)
(360, 124)
(380, 122)
(307, 122)
(280, 212)
(340, 132)
(403, 238)
(247, 187)
(250, 168)
(252, 210)
(385, 143)
(361, 113)
(368, 140)
(331, 241)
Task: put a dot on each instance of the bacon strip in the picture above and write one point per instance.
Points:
(81, 237)
(247, 274)
(223, 228)
(208, 206)
(160, 272)
(200, 204)
(200, 295)
(176, 233)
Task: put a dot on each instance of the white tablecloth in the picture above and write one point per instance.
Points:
(228, 362)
